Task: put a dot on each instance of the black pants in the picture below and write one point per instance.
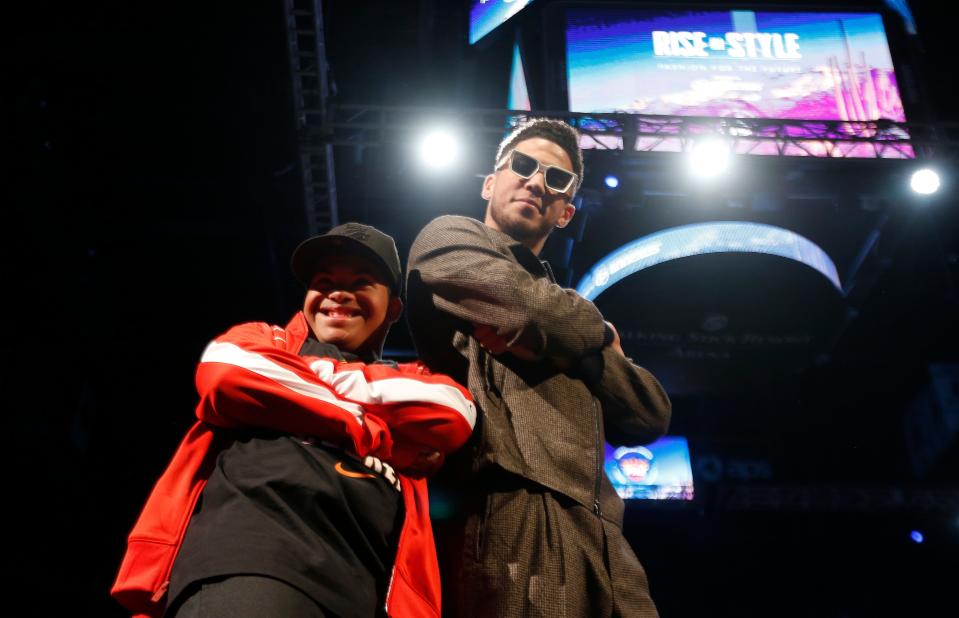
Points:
(240, 596)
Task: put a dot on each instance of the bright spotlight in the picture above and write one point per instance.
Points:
(612, 181)
(438, 149)
(916, 536)
(924, 181)
(709, 158)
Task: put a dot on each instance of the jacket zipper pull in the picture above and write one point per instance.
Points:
(596, 509)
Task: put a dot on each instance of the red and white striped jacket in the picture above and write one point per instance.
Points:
(252, 376)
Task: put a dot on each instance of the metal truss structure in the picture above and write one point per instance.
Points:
(782, 137)
(377, 125)
(309, 71)
(322, 124)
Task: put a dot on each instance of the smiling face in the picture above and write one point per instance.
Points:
(348, 304)
(524, 208)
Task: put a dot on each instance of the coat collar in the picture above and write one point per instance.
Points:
(526, 258)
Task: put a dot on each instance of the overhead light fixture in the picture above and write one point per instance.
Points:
(438, 149)
(709, 158)
(924, 181)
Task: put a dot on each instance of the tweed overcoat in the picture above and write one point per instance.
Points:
(537, 421)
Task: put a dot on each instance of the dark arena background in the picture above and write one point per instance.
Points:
(750, 221)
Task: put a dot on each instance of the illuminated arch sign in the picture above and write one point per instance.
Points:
(701, 238)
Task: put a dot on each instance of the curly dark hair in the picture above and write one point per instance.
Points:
(556, 131)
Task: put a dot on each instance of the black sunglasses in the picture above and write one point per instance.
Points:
(556, 178)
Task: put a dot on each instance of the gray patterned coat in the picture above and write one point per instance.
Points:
(537, 422)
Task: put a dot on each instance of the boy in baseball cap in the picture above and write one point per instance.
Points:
(299, 491)
(354, 283)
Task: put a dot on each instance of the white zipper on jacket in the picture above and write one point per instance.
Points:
(389, 589)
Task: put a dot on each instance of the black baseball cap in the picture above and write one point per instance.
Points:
(349, 237)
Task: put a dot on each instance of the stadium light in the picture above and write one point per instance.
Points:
(709, 158)
(924, 181)
(438, 149)
(611, 181)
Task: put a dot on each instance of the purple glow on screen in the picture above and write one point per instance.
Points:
(743, 64)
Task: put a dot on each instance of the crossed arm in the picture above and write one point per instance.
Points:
(457, 262)
(246, 377)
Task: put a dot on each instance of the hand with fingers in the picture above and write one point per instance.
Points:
(427, 463)
(616, 344)
(496, 344)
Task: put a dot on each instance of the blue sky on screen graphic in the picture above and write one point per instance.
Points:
(518, 91)
(486, 15)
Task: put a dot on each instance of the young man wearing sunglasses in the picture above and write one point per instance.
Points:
(539, 526)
